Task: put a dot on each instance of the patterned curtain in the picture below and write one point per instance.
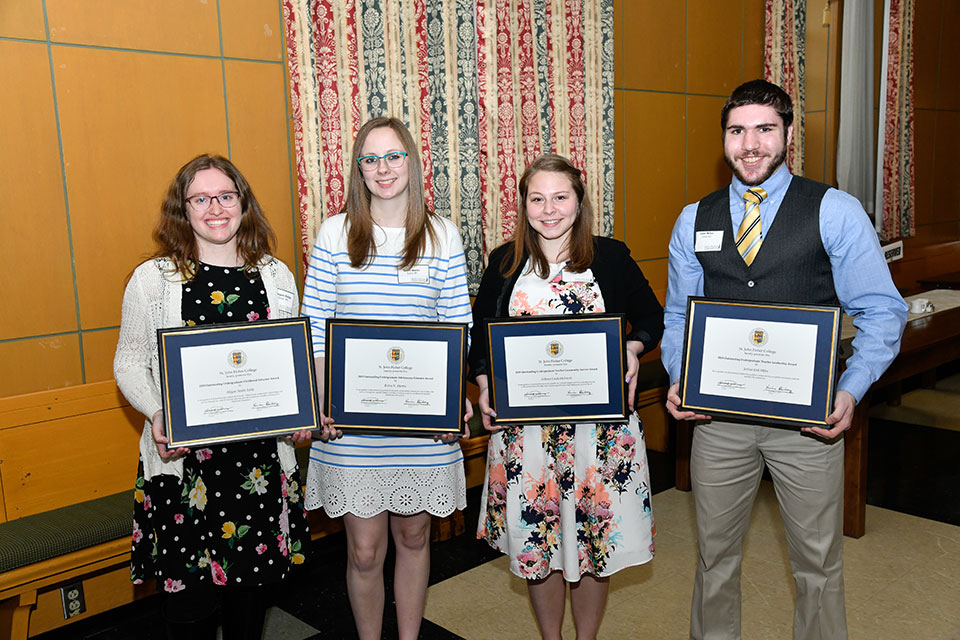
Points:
(484, 85)
(895, 197)
(785, 29)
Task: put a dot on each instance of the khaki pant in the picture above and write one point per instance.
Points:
(726, 464)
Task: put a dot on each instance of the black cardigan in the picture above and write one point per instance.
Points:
(624, 288)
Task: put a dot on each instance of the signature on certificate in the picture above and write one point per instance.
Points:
(775, 390)
(730, 384)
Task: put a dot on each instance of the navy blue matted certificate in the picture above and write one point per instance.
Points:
(769, 362)
(394, 377)
(238, 381)
(557, 369)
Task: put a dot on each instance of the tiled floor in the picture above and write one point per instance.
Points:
(902, 578)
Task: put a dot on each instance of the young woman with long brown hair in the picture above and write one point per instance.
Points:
(569, 504)
(386, 256)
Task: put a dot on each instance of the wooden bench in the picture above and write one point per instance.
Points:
(65, 455)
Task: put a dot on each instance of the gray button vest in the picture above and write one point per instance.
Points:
(791, 266)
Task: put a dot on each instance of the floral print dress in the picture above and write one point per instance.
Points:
(570, 498)
(234, 518)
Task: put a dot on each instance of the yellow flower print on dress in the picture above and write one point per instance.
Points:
(138, 494)
(256, 481)
(293, 491)
(233, 533)
(222, 301)
(198, 495)
(194, 492)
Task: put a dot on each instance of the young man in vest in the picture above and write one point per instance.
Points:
(809, 244)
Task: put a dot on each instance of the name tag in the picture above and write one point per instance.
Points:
(708, 241)
(286, 298)
(417, 274)
(570, 276)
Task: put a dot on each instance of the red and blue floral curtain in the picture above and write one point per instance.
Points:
(784, 55)
(484, 85)
(895, 158)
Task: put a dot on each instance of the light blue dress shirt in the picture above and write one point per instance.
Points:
(860, 277)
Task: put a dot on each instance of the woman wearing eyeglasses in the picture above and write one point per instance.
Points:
(217, 525)
(385, 257)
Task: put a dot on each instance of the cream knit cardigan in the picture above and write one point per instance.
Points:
(152, 301)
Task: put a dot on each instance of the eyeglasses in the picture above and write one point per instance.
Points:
(394, 160)
(227, 200)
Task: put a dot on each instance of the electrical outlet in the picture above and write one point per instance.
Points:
(72, 598)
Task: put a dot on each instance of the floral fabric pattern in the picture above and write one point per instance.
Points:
(480, 86)
(573, 498)
(234, 518)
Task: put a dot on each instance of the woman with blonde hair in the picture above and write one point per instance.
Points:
(568, 503)
(386, 256)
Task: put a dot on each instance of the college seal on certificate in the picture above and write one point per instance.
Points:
(758, 337)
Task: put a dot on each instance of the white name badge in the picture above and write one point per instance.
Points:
(570, 276)
(708, 241)
(286, 298)
(417, 274)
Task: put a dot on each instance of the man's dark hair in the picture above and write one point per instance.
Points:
(759, 92)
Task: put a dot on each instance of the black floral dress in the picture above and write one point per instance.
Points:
(234, 518)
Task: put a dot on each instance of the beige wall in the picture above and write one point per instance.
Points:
(676, 63)
(103, 101)
(936, 120)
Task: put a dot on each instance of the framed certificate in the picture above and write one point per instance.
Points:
(767, 362)
(557, 369)
(226, 382)
(402, 378)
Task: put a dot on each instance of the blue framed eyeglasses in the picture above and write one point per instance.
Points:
(394, 160)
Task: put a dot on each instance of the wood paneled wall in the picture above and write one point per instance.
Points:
(676, 63)
(103, 101)
(936, 95)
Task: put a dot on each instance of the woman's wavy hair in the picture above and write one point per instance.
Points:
(526, 241)
(175, 238)
(360, 242)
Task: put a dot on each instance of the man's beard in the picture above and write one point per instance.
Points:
(771, 168)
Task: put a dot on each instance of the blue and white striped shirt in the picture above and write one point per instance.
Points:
(334, 288)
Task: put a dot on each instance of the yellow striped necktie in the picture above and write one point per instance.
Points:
(748, 236)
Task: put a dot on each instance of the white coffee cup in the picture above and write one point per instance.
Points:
(920, 305)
